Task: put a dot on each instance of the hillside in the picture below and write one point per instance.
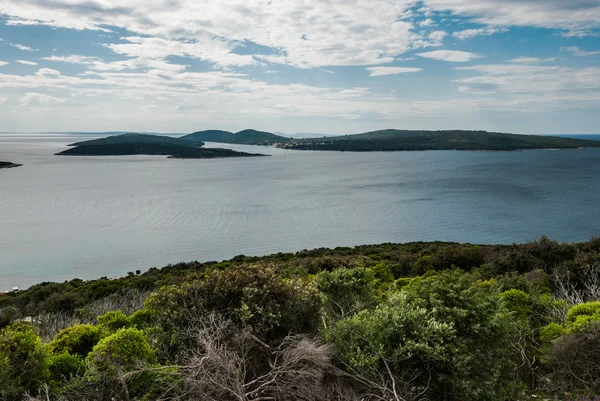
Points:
(245, 137)
(141, 144)
(372, 322)
(397, 140)
(9, 165)
(138, 138)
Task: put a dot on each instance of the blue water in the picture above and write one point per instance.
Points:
(65, 217)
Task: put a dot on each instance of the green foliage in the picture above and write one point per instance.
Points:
(401, 333)
(122, 351)
(254, 297)
(112, 321)
(63, 367)
(479, 366)
(23, 361)
(347, 291)
(142, 319)
(581, 315)
(75, 340)
(517, 301)
(551, 332)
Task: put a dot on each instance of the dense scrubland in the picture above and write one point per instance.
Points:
(418, 321)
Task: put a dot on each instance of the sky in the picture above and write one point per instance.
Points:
(321, 66)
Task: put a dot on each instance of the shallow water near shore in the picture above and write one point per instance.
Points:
(66, 217)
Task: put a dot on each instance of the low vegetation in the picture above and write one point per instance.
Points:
(419, 321)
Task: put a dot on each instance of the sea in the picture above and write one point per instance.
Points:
(64, 217)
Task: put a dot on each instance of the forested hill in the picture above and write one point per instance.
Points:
(138, 138)
(245, 137)
(143, 144)
(398, 140)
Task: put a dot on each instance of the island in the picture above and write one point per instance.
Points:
(245, 137)
(9, 165)
(405, 140)
(145, 144)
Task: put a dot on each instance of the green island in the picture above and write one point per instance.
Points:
(145, 144)
(419, 321)
(404, 140)
(245, 137)
(9, 165)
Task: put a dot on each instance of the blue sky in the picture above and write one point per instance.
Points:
(522, 66)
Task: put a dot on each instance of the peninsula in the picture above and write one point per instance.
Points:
(404, 140)
(144, 144)
(9, 165)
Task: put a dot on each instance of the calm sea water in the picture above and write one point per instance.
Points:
(66, 217)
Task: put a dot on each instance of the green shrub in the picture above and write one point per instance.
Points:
(347, 291)
(581, 315)
(112, 321)
(122, 351)
(64, 367)
(517, 301)
(75, 340)
(253, 297)
(23, 361)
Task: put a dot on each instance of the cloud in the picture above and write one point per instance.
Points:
(73, 59)
(48, 72)
(25, 62)
(530, 60)
(578, 52)
(378, 71)
(34, 99)
(3, 63)
(575, 17)
(471, 33)
(24, 48)
(304, 34)
(453, 56)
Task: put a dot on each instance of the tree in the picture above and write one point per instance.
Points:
(75, 340)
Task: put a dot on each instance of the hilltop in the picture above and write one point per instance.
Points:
(143, 144)
(397, 140)
(245, 137)
(138, 138)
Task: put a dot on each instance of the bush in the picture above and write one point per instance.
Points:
(347, 291)
(575, 360)
(480, 367)
(23, 361)
(64, 367)
(405, 336)
(517, 302)
(253, 297)
(123, 351)
(76, 340)
(581, 315)
(112, 321)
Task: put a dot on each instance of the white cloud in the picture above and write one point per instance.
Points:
(530, 60)
(48, 72)
(471, 33)
(73, 59)
(453, 56)
(26, 62)
(34, 99)
(378, 71)
(578, 52)
(24, 48)
(576, 17)
(3, 63)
